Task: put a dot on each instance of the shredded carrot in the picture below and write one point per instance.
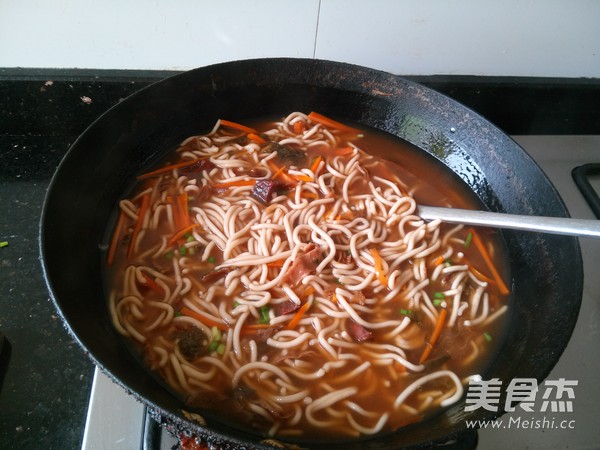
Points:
(236, 126)
(334, 298)
(305, 178)
(377, 263)
(323, 120)
(342, 151)
(275, 264)
(166, 169)
(112, 248)
(254, 328)
(439, 326)
(439, 260)
(256, 138)
(235, 183)
(315, 165)
(481, 276)
(138, 224)
(299, 127)
(205, 320)
(486, 257)
(184, 214)
(279, 172)
(181, 233)
(153, 285)
(292, 324)
(308, 291)
(308, 194)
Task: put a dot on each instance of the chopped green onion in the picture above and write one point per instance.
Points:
(211, 259)
(264, 314)
(437, 302)
(169, 255)
(468, 240)
(439, 295)
(405, 312)
(3, 244)
(178, 314)
(182, 251)
(236, 304)
(190, 238)
(221, 349)
(447, 262)
(216, 334)
(488, 337)
(213, 346)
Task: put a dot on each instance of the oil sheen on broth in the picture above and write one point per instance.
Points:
(277, 276)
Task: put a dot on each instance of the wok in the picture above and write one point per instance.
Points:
(547, 271)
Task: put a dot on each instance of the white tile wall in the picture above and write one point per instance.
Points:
(477, 37)
(159, 34)
(508, 37)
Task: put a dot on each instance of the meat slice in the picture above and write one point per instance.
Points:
(358, 332)
(286, 307)
(304, 264)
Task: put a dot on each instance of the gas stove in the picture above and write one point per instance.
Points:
(116, 420)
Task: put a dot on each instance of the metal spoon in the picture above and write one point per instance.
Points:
(553, 225)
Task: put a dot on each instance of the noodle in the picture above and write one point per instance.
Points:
(290, 285)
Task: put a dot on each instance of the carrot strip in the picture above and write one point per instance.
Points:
(256, 138)
(439, 260)
(276, 264)
(236, 126)
(308, 291)
(312, 195)
(279, 172)
(439, 326)
(305, 178)
(138, 224)
(342, 151)
(481, 276)
(486, 257)
(292, 323)
(228, 184)
(377, 263)
(254, 328)
(202, 318)
(299, 127)
(184, 214)
(166, 169)
(323, 120)
(181, 233)
(315, 165)
(112, 248)
(152, 284)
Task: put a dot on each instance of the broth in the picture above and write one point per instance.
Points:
(278, 276)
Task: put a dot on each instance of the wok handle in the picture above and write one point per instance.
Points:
(552, 225)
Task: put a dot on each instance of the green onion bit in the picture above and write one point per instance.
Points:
(468, 240)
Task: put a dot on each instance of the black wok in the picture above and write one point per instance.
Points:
(547, 272)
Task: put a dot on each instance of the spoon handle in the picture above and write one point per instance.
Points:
(553, 225)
